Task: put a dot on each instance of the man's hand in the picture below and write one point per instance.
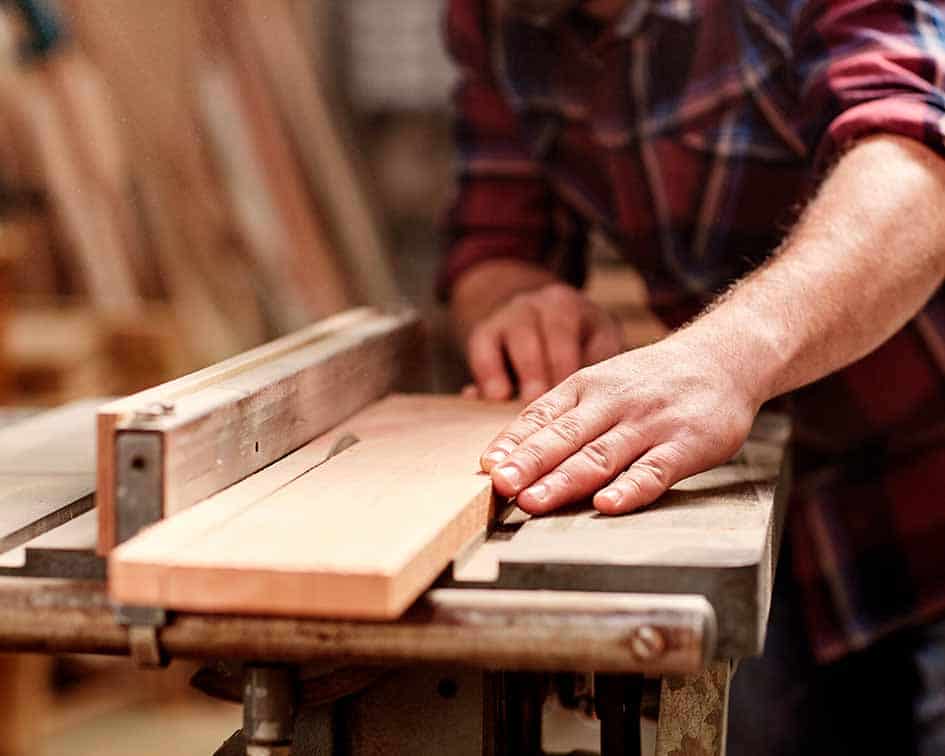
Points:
(625, 429)
(519, 316)
(865, 257)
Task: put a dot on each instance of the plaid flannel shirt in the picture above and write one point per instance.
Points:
(689, 132)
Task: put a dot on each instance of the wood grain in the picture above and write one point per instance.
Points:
(360, 536)
(232, 419)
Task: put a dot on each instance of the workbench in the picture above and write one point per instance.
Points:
(536, 607)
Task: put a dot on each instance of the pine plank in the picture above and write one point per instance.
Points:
(360, 536)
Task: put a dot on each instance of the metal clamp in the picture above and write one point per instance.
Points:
(144, 624)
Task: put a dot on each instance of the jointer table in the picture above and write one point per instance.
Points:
(556, 606)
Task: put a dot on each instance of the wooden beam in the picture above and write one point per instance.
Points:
(309, 259)
(313, 126)
(218, 425)
(360, 535)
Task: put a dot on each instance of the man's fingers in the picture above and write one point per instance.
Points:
(647, 479)
(487, 364)
(532, 419)
(526, 353)
(603, 339)
(562, 337)
(541, 452)
(583, 473)
(470, 391)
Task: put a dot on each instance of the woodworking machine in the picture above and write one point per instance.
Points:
(599, 614)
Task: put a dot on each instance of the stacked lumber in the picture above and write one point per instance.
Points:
(179, 165)
(52, 355)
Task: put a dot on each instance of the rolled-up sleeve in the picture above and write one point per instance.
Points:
(870, 67)
(503, 207)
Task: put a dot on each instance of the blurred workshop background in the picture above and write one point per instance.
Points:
(180, 181)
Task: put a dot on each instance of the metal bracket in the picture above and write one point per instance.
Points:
(144, 624)
(65, 564)
(139, 495)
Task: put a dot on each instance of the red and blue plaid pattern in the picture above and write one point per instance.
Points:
(690, 132)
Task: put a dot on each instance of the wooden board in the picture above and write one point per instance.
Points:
(360, 536)
(232, 419)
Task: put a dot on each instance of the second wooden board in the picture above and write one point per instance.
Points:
(360, 535)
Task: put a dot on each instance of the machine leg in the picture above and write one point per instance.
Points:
(269, 705)
(617, 701)
(518, 699)
(694, 713)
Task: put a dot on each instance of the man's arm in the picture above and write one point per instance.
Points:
(866, 255)
(864, 258)
(517, 322)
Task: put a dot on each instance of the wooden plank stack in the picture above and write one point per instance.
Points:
(184, 169)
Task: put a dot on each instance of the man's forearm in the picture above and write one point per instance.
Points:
(865, 257)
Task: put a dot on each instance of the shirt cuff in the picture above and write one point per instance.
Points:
(468, 252)
(907, 115)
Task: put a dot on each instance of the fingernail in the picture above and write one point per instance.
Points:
(610, 496)
(494, 389)
(538, 492)
(494, 457)
(510, 475)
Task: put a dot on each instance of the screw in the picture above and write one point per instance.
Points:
(647, 643)
(155, 410)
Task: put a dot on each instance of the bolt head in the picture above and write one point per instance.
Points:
(155, 409)
(647, 643)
